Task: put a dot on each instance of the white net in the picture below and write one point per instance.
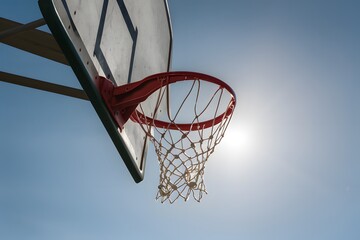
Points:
(183, 149)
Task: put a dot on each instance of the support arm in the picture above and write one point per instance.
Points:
(41, 85)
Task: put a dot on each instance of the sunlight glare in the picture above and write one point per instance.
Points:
(239, 140)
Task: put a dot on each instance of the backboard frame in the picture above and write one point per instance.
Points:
(85, 72)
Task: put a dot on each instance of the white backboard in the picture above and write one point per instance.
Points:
(122, 40)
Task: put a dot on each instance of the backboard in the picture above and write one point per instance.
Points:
(122, 40)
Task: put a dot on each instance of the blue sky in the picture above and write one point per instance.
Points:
(288, 167)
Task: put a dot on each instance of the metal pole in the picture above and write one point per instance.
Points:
(41, 85)
(25, 27)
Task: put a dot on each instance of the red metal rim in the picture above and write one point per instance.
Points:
(173, 77)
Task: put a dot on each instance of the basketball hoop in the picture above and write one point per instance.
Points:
(183, 146)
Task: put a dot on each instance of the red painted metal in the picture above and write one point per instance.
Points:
(123, 100)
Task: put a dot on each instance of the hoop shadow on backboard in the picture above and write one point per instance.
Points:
(132, 31)
(98, 53)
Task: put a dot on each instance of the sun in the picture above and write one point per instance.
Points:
(239, 139)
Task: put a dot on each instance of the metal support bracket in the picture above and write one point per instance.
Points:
(44, 86)
(22, 28)
(27, 38)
